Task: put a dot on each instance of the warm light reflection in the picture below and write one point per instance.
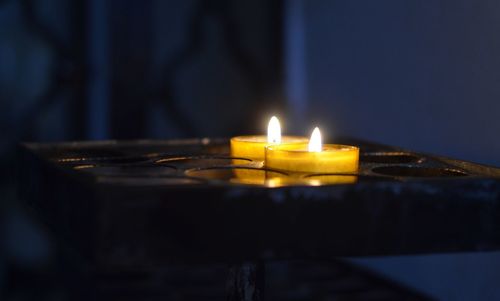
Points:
(274, 131)
(315, 144)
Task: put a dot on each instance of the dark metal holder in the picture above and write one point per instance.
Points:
(149, 203)
(181, 193)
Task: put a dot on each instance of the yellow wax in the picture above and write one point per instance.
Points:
(249, 176)
(253, 147)
(253, 176)
(334, 158)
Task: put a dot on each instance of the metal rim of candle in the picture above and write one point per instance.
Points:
(302, 148)
(263, 139)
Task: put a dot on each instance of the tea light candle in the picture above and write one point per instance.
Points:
(313, 157)
(253, 147)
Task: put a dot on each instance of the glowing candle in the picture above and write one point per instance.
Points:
(253, 147)
(313, 157)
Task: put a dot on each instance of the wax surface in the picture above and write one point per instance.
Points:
(253, 147)
(334, 158)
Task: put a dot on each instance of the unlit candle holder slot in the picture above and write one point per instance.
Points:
(210, 164)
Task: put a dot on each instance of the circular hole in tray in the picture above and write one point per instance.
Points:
(389, 158)
(202, 161)
(239, 175)
(147, 181)
(198, 147)
(132, 171)
(88, 152)
(330, 179)
(104, 160)
(413, 171)
(333, 179)
(83, 166)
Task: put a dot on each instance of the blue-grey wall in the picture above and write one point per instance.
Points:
(420, 74)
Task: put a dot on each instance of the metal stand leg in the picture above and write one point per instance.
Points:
(246, 282)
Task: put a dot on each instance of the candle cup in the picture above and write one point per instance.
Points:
(333, 159)
(253, 147)
(249, 176)
(255, 176)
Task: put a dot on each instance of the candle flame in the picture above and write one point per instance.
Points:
(315, 144)
(274, 131)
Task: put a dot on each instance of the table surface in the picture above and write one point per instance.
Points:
(151, 202)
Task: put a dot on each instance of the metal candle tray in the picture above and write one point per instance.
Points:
(153, 202)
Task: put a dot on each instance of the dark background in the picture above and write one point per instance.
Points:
(419, 74)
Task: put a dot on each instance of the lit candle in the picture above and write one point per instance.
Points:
(253, 147)
(313, 157)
